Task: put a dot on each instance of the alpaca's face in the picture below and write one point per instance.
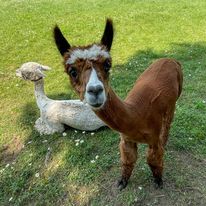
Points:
(88, 67)
(31, 71)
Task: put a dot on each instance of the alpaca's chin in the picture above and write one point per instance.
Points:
(96, 106)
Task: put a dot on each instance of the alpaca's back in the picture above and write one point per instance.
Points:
(158, 87)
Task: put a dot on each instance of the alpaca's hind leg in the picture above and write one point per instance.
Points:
(155, 161)
(166, 123)
(128, 151)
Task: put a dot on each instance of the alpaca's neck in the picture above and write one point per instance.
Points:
(41, 98)
(117, 114)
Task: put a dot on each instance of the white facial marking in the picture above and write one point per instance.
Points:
(92, 53)
(95, 99)
(94, 80)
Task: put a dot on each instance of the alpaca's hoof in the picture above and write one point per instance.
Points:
(122, 183)
(158, 182)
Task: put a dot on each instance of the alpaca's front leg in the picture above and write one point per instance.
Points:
(155, 161)
(128, 151)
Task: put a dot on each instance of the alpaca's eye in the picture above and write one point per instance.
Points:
(107, 65)
(73, 72)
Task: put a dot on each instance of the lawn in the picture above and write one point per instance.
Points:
(144, 31)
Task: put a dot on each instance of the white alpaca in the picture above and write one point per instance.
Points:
(57, 113)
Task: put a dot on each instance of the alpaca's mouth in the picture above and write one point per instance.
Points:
(96, 106)
(18, 73)
(96, 101)
(35, 80)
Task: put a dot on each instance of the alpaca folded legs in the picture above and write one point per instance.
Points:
(128, 151)
(46, 127)
(155, 161)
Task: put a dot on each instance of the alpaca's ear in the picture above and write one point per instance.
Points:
(45, 68)
(39, 73)
(61, 43)
(107, 37)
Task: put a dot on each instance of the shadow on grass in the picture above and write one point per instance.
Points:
(71, 178)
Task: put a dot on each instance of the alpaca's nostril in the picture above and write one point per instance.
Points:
(95, 90)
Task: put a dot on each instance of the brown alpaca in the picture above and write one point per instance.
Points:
(146, 114)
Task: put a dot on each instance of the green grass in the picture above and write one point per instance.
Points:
(144, 31)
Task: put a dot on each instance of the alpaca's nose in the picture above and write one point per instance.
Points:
(95, 90)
